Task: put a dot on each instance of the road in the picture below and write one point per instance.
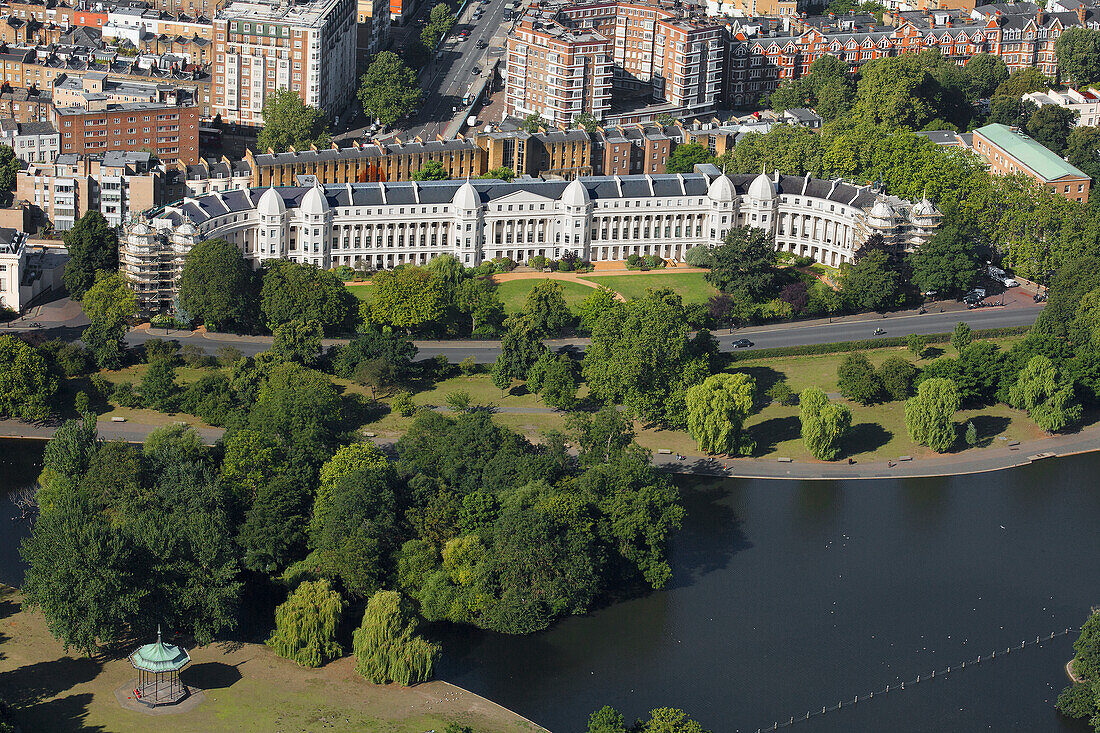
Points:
(851, 328)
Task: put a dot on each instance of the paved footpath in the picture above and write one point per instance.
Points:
(131, 432)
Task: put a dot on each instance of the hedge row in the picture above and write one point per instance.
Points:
(841, 347)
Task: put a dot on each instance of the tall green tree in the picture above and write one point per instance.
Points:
(1023, 81)
(520, 347)
(746, 261)
(386, 645)
(824, 424)
(1051, 125)
(348, 459)
(407, 297)
(1046, 395)
(545, 308)
(961, 336)
(158, 385)
(639, 357)
(27, 387)
(717, 409)
(947, 263)
(294, 291)
(9, 169)
(1083, 149)
(82, 574)
(306, 625)
(1078, 51)
(388, 90)
(291, 123)
(984, 73)
(477, 297)
(928, 414)
(872, 283)
(440, 21)
(93, 247)
(554, 379)
(685, 157)
(109, 305)
(298, 341)
(857, 380)
(216, 286)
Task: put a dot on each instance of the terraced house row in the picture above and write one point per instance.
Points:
(381, 225)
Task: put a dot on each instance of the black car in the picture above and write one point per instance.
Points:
(482, 43)
(742, 344)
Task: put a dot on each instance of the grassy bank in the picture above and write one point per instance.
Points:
(247, 688)
(692, 287)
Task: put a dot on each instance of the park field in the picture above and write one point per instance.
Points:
(246, 688)
(692, 287)
(513, 293)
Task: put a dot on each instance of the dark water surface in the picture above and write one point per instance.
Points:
(789, 596)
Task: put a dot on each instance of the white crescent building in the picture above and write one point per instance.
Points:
(382, 225)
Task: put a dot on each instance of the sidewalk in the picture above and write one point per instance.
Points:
(131, 432)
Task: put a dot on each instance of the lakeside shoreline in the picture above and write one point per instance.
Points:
(965, 462)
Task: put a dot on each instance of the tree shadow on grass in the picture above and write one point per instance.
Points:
(62, 715)
(28, 686)
(764, 377)
(770, 433)
(211, 675)
(865, 437)
(932, 352)
(519, 390)
(988, 427)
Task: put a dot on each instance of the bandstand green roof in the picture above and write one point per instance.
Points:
(160, 657)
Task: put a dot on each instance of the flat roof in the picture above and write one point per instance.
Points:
(1029, 153)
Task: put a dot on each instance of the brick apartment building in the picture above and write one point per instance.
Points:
(169, 132)
(565, 60)
(1008, 152)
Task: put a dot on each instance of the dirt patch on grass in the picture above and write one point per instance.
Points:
(247, 688)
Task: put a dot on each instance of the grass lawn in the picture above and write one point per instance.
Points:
(359, 290)
(514, 293)
(691, 286)
(247, 688)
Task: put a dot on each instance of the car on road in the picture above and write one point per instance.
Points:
(482, 43)
(475, 71)
(741, 344)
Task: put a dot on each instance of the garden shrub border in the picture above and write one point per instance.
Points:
(841, 347)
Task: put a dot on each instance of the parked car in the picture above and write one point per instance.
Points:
(742, 344)
(1010, 283)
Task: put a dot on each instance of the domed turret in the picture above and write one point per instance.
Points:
(924, 209)
(271, 203)
(314, 202)
(575, 195)
(762, 188)
(186, 229)
(141, 230)
(721, 189)
(466, 197)
(881, 214)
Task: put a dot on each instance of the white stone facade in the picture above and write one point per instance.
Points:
(597, 218)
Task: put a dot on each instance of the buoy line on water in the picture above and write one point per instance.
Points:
(981, 658)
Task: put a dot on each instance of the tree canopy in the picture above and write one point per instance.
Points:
(294, 291)
(1078, 51)
(685, 157)
(291, 123)
(746, 260)
(388, 90)
(407, 297)
(93, 247)
(217, 286)
(824, 424)
(306, 625)
(717, 409)
(928, 414)
(387, 647)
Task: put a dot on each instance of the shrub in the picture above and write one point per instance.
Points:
(857, 380)
(345, 272)
(971, 434)
(81, 403)
(538, 262)
(803, 261)
(468, 366)
(228, 356)
(402, 403)
(896, 375)
(916, 345)
(841, 347)
(124, 395)
(698, 256)
(504, 264)
(459, 400)
(157, 349)
(781, 393)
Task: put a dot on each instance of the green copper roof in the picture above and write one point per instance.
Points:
(1029, 152)
(160, 657)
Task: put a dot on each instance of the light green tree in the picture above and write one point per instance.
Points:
(26, 385)
(824, 424)
(216, 285)
(716, 411)
(961, 336)
(928, 414)
(432, 170)
(1048, 399)
(306, 625)
(109, 305)
(406, 297)
(291, 123)
(386, 645)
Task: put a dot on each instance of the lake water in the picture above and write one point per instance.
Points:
(789, 596)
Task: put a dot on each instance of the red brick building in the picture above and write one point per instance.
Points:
(169, 132)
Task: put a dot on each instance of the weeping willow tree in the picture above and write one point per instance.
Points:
(386, 646)
(305, 625)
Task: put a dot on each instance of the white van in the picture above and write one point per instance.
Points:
(1009, 283)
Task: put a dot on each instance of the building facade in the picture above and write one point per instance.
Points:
(263, 46)
(33, 142)
(119, 185)
(170, 132)
(26, 271)
(1085, 103)
(565, 60)
(382, 225)
(373, 25)
(1008, 152)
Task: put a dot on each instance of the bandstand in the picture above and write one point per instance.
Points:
(158, 667)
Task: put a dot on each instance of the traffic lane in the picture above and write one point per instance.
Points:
(924, 324)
